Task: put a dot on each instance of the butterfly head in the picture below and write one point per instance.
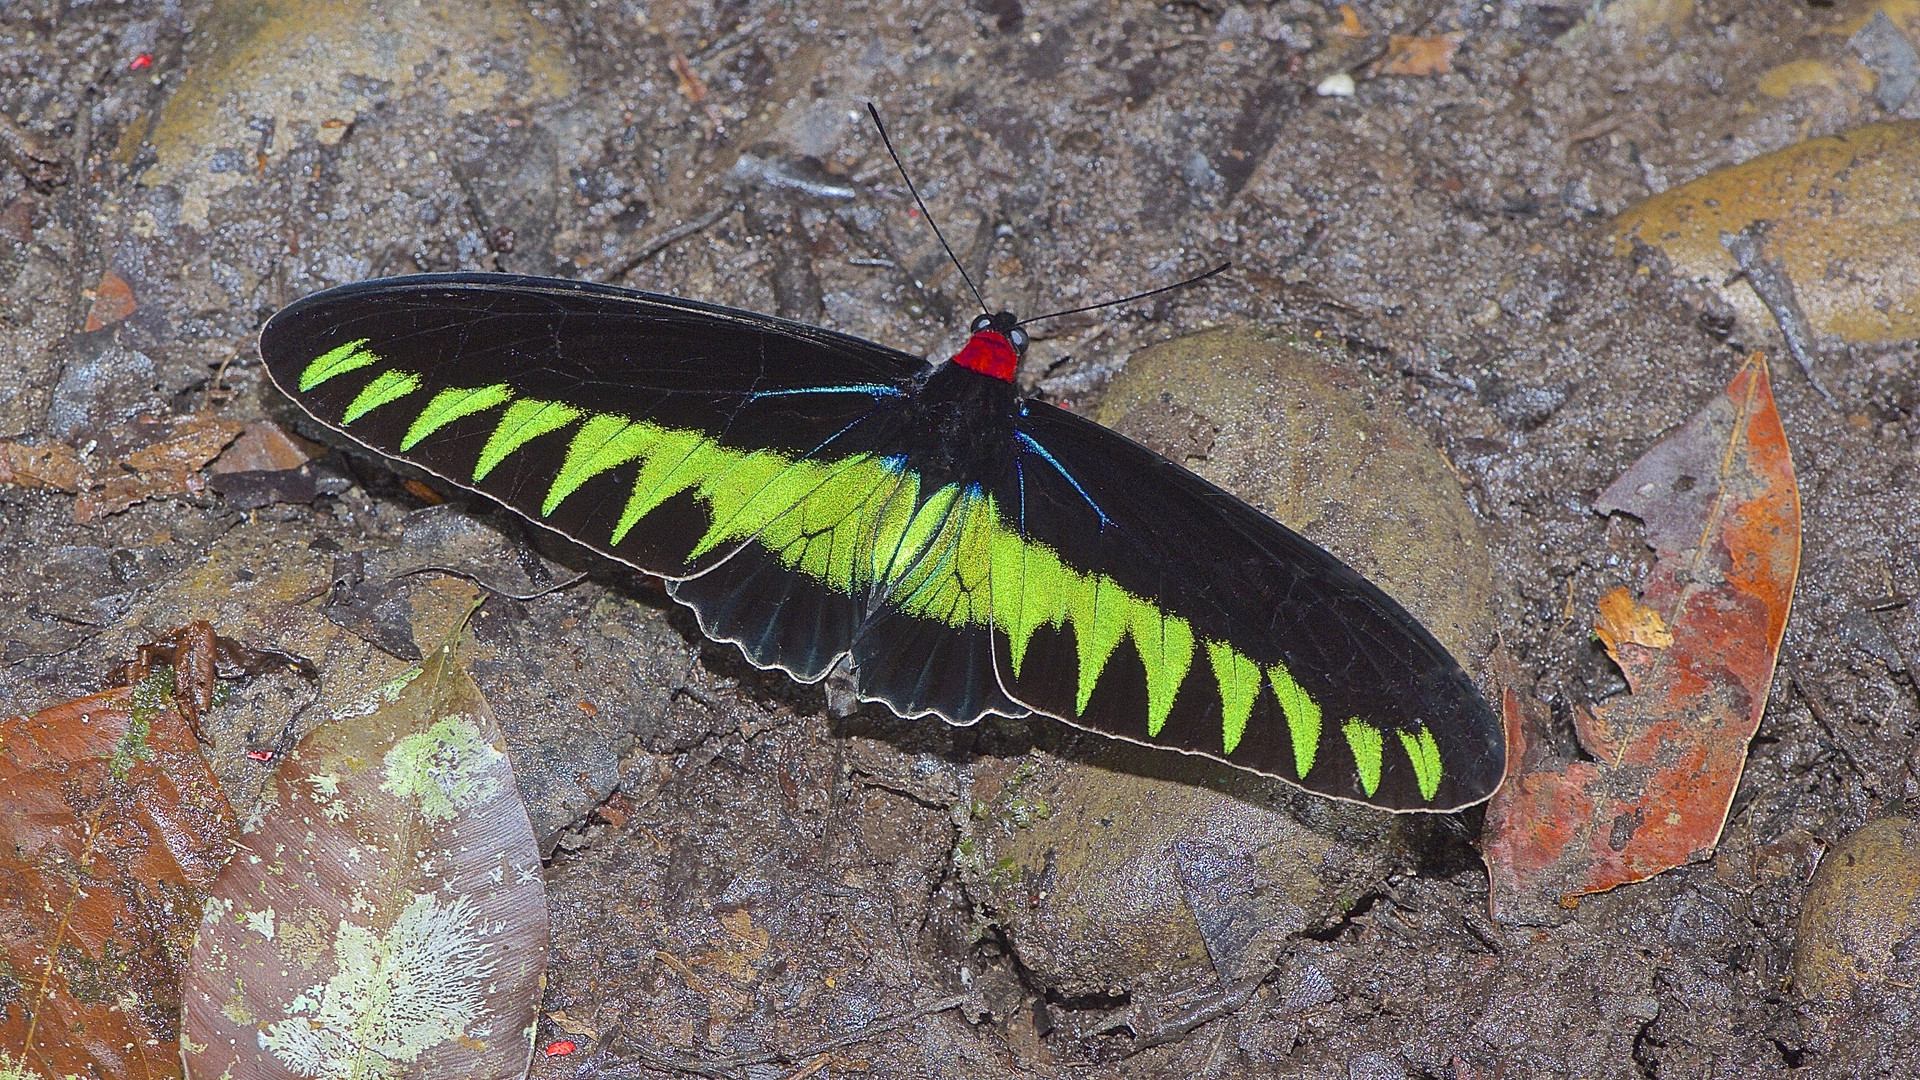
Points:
(996, 346)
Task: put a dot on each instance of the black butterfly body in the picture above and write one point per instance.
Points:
(811, 495)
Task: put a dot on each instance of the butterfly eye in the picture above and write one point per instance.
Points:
(982, 322)
(1019, 339)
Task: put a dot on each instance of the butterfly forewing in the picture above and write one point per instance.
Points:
(1146, 603)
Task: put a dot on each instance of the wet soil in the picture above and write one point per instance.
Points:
(742, 877)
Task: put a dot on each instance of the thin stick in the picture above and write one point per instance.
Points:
(719, 1067)
(669, 238)
(875, 113)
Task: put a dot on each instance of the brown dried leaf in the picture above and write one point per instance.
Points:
(1722, 514)
(112, 302)
(387, 915)
(169, 463)
(114, 830)
(264, 446)
(39, 466)
(1420, 56)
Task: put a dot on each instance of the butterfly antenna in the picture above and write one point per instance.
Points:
(1128, 299)
(875, 113)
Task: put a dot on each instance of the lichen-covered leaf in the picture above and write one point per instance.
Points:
(113, 829)
(1722, 514)
(385, 916)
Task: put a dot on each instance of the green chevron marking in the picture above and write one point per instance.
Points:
(525, 421)
(679, 460)
(1425, 755)
(1100, 611)
(336, 361)
(753, 491)
(1166, 649)
(1239, 684)
(387, 386)
(1367, 743)
(1303, 716)
(450, 405)
(1029, 590)
(602, 443)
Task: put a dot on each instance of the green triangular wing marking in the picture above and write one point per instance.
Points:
(1166, 649)
(1029, 587)
(1101, 612)
(450, 405)
(1239, 680)
(525, 421)
(1303, 717)
(679, 461)
(385, 387)
(603, 442)
(1425, 755)
(1367, 744)
(949, 578)
(336, 361)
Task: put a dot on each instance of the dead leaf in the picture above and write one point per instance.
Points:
(264, 446)
(1625, 621)
(115, 828)
(112, 302)
(386, 915)
(1722, 513)
(167, 461)
(1350, 23)
(39, 466)
(1419, 56)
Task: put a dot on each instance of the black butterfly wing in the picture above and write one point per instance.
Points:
(1143, 602)
(740, 456)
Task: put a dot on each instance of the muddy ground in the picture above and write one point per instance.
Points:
(740, 877)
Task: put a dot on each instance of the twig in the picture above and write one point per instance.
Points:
(1774, 287)
(495, 590)
(722, 1068)
(669, 238)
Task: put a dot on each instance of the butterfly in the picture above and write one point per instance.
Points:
(814, 497)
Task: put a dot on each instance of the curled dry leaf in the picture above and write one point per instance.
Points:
(114, 830)
(167, 461)
(1722, 514)
(386, 915)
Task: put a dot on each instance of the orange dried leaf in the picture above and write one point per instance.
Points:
(1350, 23)
(1722, 514)
(386, 916)
(114, 830)
(1624, 620)
(1418, 56)
(112, 302)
